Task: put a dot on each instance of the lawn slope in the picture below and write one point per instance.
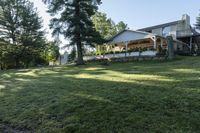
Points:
(123, 97)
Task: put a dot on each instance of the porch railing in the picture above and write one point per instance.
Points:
(182, 33)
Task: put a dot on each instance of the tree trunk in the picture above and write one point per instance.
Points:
(78, 36)
(1, 66)
(80, 54)
(16, 62)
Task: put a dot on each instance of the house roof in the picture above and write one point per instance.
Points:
(161, 25)
(141, 32)
(123, 32)
(130, 35)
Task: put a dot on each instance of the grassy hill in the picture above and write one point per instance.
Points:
(123, 97)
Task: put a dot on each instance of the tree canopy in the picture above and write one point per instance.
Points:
(107, 29)
(198, 22)
(52, 51)
(21, 31)
(106, 26)
(74, 22)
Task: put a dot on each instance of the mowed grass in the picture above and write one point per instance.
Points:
(152, 96)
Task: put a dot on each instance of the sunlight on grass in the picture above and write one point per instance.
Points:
(119, 76)
(6, 76)
(128, 97)
(16, 89)
(186, 70)
(1, 94)
(31, 73)
(36, 72)
(2, 87)
(93, 69)
(22, 79)
(91, 97)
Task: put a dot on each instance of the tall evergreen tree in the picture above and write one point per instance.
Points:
(198, 22)
(74, 22)
(9, 19)
(32, 35)
(20, 27)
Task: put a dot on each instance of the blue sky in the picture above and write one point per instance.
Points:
(143, 13)
(138, 13)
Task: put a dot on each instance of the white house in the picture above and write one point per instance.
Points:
(181, 31)
(152, 39)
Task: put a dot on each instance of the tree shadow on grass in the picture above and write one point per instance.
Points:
(55, 101)
(104, 99)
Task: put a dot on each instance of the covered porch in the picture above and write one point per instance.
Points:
(130, 43)
(136, 41)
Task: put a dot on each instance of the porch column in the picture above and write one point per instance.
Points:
(162, 43)
(190, 44)
(113, 49)
(126, 43)
(170, 47)
(154, 42)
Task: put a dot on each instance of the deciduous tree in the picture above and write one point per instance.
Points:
(107, 29)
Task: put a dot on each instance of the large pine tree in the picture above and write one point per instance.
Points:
(72, 18)
(198, 22)
(20, 26)
(31, 33)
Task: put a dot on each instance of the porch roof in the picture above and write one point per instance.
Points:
(130, 35)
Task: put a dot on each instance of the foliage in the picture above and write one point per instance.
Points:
(101, 49)
(72, 55)
(106, 26)
(161, 51)
(74, 22)
(20, 28)
(146, 96)
(121, 26)
(52, 52)
(107, 29)
(6, 57)
(198, 22)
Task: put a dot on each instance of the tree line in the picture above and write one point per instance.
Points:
(22, 38)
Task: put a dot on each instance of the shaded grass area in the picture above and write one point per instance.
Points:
(123, 97)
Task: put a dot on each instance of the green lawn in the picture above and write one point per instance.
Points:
(121, 98)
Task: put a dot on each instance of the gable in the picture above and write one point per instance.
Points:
(127, 35)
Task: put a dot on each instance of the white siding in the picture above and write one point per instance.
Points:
(157, 31)
(129, 36)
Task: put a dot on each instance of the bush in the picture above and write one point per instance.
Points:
(106, 62)
(162, 52)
